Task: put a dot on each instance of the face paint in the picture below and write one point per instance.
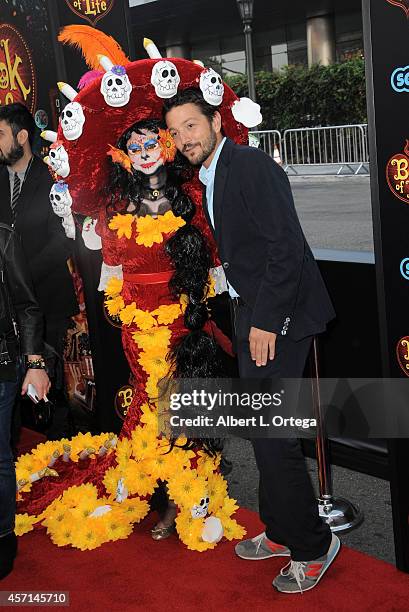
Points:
(145, 151)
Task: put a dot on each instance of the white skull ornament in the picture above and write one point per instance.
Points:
(212, 87)
(61, 202)
(165, 79)
(58, 159)
(60, 199)
(116, 87)
(72, 120)
(200, 510)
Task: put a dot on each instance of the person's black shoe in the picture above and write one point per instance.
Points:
(8, 552)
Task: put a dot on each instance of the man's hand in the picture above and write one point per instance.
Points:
(262, 345)
(38, 378)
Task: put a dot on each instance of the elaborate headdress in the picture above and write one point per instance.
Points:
(123, 94)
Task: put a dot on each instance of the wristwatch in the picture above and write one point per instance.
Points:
(35, 364)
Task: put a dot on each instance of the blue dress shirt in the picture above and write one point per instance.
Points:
(207, 176)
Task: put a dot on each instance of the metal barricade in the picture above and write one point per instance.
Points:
(345, 146)
(270, 141)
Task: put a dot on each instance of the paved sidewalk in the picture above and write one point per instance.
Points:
(335, 212)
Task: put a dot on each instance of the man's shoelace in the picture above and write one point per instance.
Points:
(296, 570)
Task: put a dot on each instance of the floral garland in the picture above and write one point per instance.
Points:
(149, 230)
(82, 519)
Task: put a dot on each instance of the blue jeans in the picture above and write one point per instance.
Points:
(8, 392)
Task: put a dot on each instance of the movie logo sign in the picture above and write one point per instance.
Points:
(91, 10)
(17, 73)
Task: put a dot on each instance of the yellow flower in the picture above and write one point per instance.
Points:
(184, 301)
(128, 313)
(186, 488)
(148, 231)
(123, 225)
(231, 529)
(206, 465)
(88, 534)
(149, 417)
(157, 337)
(114, 305)
(111, 478)
(115, 527)
(217, 491)
(29, 463)
(144, 442)
(170, 223)
(157, 467)
(43, 452)
(190, 532)
(144, 320)
(63, 534)
(151, 388)
(134, 510)
(168, 313)
(72, 496)
(138, 480)
(211, 287)
(24, 523)
(229, 507)
(114, 287)
(123, 452)
(155, 365)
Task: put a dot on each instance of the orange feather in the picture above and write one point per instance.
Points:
(92, 42)
(119, 157)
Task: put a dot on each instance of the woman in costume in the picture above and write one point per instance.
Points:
(93, 489)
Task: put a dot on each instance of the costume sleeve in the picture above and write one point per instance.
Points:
(25, 307)
(57, 249)
(267, 194)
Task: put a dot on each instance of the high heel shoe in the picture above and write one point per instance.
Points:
(161, 533)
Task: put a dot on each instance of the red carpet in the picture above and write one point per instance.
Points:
(29, 440)
(140, 574)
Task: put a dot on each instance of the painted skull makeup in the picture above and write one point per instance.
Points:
(145, 152)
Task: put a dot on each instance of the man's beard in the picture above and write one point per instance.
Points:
(16, 152)
(208, 146)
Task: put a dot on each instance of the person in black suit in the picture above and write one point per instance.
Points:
(25, 184)
(279, 301)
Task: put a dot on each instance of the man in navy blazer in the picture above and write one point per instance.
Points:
(279, 302)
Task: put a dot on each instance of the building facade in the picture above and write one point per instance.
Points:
(292, 32)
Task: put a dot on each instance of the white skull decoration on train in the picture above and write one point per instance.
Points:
(72, 120)
(116, 87)
(58, 159)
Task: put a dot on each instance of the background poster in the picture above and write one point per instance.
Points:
(386, 29)
(27, 61)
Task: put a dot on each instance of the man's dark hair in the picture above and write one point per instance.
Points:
(190, 96)
(18, 118)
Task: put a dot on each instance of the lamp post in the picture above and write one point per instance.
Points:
(246, 14)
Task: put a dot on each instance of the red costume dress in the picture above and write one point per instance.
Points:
(92, 489)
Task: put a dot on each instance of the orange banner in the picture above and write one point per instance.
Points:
(18, 81)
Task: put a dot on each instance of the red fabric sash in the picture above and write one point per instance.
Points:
(151, 278)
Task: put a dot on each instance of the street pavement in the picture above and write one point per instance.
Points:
(335, 212)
